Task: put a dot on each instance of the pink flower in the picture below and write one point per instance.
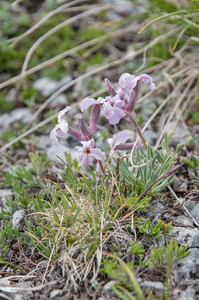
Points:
(113, 113)
(89, 151)
(120, 104)
(129, 82)
(87, 102)
(61, 128)
(118, 138)
(118, 143)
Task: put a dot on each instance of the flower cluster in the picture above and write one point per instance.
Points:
(120, 104)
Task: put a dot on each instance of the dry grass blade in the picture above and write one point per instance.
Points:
(190, 80)
(17, 289)
(186, 210)
(56, 28)
(80, 78)
(31, 130)
(70, 52)
(115, 63)
(17, 39)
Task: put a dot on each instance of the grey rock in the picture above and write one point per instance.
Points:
(150, 136)
(186, 236)
(179, 131)
(197, 265)
(20, 114)
(64, 81)
(187, 268)
(18, 219)
(3, 197)
(44, 142)
(189, 294)
(167, 216)
(59, 151)
(110, 284)
(59, 101)
(183, 221)
(157, 286)
(47, 86)
(154, 209)
(190, 204)
(119, 10)
(195, 212)
(4, 121)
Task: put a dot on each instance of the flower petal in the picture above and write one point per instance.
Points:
(123, 79)
(113, 113)
(87, 152)
(128, 82)
(63, 126)
(53, 136)
(98, 154)
(87, 102)
(62, 113)
(120, 137)
(147, 78)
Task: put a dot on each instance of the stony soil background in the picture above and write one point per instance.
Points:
(169, 208)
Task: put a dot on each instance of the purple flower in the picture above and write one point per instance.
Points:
(113, 113)
(61, 128)
(128, 82)
(87, 152)
(118, 143)
(120, 104)
(87, 102)
(118, 138)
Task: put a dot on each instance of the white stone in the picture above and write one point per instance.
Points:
(195, 213)
(183, 221)
(59, 101)
(179, 131)
(158, 286)
(154, 209)
(59, 151)
(187, 266)
(20, 114)
(47, 86)
(110, 284)
(18, 218)
(44, 142)
(189, 294)
(186, 236)
(4, 193)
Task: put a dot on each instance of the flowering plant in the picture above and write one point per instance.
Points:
(119, 104)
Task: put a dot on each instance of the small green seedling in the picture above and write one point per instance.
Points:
(194, 165)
